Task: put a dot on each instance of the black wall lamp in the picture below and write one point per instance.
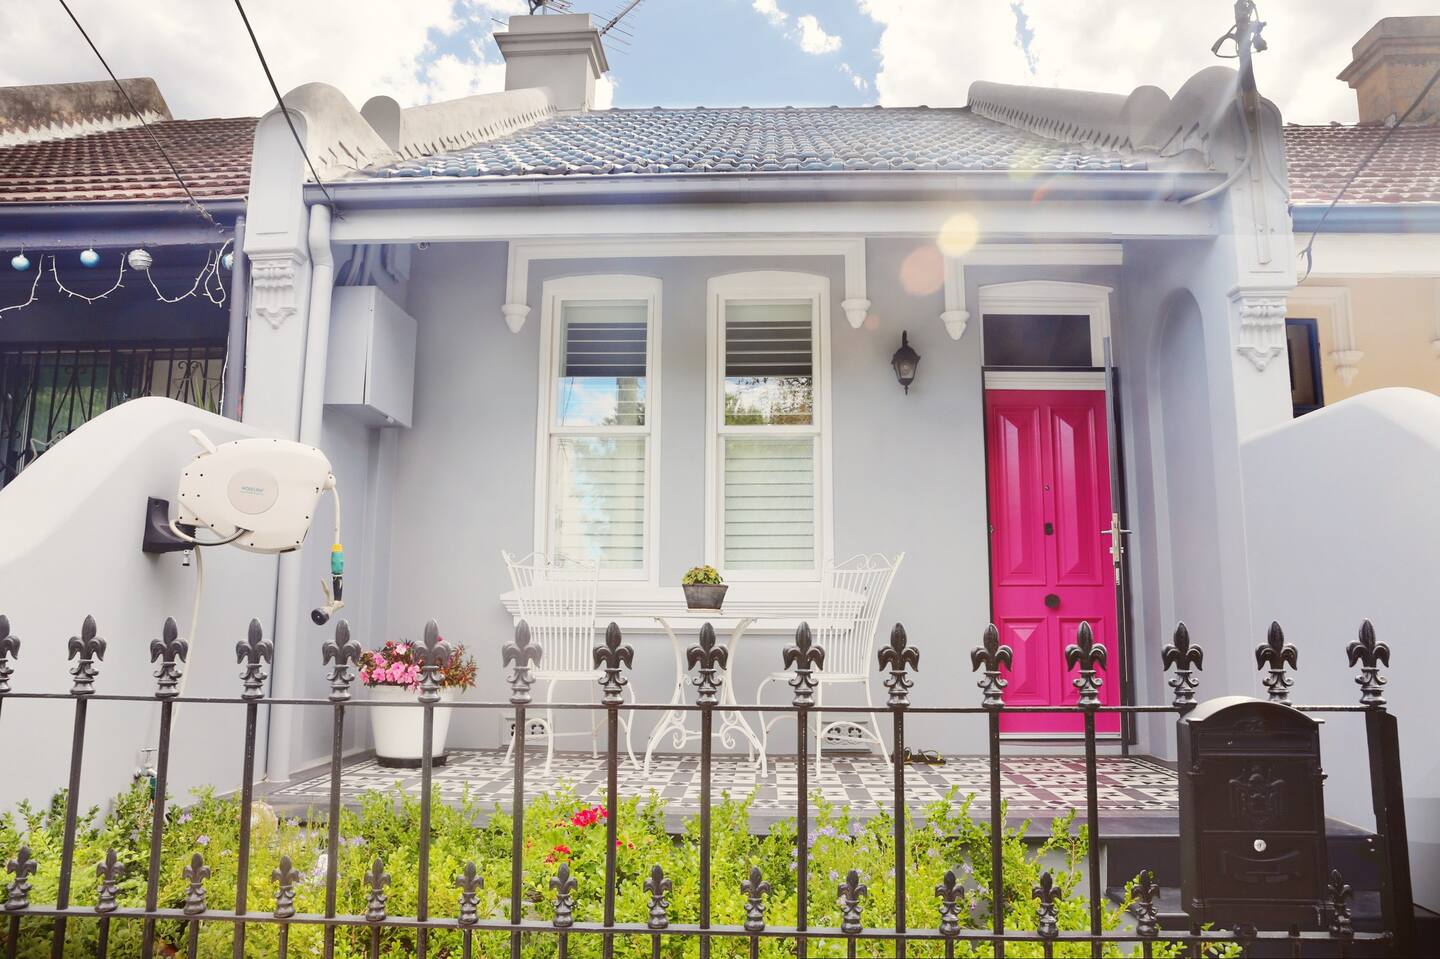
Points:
(905, 361)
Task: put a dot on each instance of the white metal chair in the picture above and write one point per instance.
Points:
(557, 600)
(852, 594)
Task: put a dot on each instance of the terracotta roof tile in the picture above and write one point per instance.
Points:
(1321, 158)
(212, 155)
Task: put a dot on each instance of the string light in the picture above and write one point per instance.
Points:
(208, 282)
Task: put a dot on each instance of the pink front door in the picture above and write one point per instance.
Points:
(1050, 566)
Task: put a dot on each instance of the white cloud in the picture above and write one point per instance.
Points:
(770, 11)
(813, 38)
(605, 92)
(856, 80)
(930, 50)
(807, 32)
(206, 67)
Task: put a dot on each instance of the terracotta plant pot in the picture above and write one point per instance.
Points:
(399, 733)
(705, 597)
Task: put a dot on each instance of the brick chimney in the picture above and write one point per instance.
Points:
(561, 52)
(1393, 62)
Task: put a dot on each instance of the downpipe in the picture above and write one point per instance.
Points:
(288, 613)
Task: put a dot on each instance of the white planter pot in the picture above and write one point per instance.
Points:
(399, 732)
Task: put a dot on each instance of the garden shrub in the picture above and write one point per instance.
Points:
(558, 827)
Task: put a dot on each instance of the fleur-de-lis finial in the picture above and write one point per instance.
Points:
(286, 876)
(564, 885)
(895, 657)
(1275, 653)
(22, 867)
(9, 650)
(171, 650)
(341, 653)
(1047, 922)
(523, 654)
(610, 656)
(254, 652)
(950, 891)
(1087, 654)
(470, 882)
(432, 653)
(848, 895)
(87, 649)
(1341, 925)
(711, 658)
(110, 872)
(806, 657)
(1147, 909)
(991, 654)
(659, 889)
(1369, 654)
(755, 889)
(376, 899)
(1185, 657)
(196, 873)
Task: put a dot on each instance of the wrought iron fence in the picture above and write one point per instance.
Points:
(46, 392)
(898, 661)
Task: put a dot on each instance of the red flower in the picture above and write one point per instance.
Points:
(557, 853)
(588, 817)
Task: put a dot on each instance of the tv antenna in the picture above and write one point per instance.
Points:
(615, 20)
(545, 6)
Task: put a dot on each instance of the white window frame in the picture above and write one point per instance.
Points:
(607, 287)
(1065, 297)
(766, 285)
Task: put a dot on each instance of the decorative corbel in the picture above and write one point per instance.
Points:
(857, 300)
(1336, 301)
(955, 317)
(514, 314)
(1262, 325)
(272, 287)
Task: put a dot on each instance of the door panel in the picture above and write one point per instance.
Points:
(1049, 484)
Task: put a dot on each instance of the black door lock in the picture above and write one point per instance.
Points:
(1049, 529)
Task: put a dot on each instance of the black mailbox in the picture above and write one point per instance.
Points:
(1252, 815)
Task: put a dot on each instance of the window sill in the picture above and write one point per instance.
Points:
(635, 606)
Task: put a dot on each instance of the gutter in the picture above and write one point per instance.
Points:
(546, 190)
(1367, 218)
(234, 374)
(74, 226)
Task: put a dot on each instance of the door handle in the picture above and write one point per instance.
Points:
(1049, 529)
(1052, 601)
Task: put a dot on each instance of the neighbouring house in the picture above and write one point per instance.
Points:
(665, 337)
(81, 187)
(1368, 313)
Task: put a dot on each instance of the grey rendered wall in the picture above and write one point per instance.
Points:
(908, 470)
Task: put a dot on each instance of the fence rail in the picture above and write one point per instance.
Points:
(898, 662)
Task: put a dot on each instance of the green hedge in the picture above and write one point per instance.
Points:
(557, 827)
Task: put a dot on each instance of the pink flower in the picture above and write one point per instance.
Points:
(401, 649)
(379, 661)
(365, 676)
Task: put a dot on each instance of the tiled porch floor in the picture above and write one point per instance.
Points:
(1037, 787)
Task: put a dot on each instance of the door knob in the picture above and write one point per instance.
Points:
(1052, 601)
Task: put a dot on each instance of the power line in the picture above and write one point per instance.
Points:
(1360, 168)
(283, 110)
(198, 207)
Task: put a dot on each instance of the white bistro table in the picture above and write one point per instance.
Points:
(774, 609)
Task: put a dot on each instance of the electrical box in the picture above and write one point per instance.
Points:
(370, 371)
(1252, 815)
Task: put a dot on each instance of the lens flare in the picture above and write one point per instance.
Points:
(959, 235)
(923, 271)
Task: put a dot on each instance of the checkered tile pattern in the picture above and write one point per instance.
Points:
(1031, 785)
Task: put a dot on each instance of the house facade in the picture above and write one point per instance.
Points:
(664, 338)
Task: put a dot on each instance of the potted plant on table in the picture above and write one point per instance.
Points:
(704, 589)
(392, 674)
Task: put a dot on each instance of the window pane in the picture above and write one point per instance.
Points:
(1302, 341)
(769, 363)
(598, 502)
(1037, 340)
(602, 363)
(769, 517)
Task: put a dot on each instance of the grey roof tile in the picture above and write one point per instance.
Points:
(745, 140)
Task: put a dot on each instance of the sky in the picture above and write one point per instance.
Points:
(691, 52)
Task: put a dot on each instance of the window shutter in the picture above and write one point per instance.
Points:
(598, 500)
(769, 339)
(604, 338)
(769, 502)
